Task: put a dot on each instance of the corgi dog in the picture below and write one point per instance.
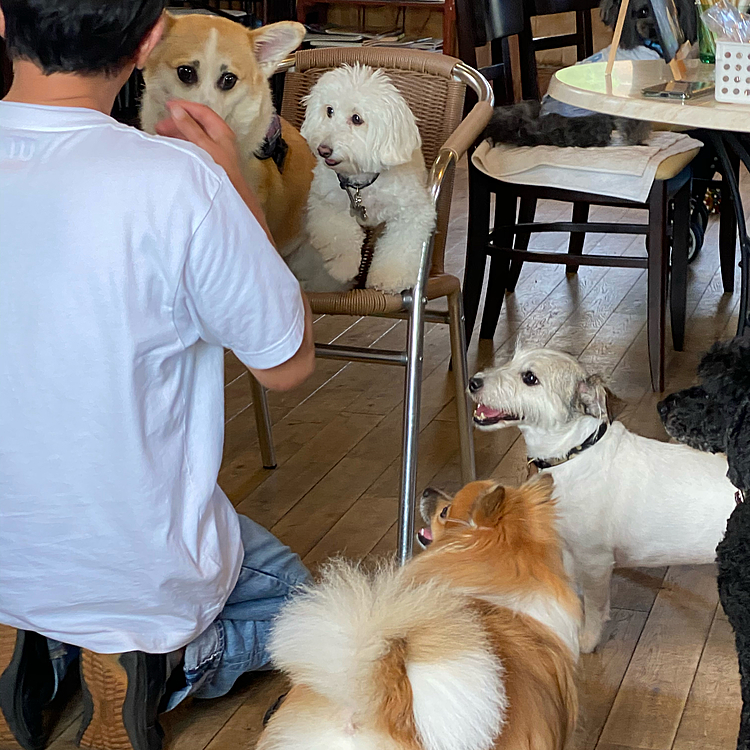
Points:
(470, 646)
(218, 62)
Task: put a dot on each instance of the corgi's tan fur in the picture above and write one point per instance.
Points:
(214, 48)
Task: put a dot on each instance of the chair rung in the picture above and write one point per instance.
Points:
(535, 256)
(361, 354)
(554, 42)
(571, 226)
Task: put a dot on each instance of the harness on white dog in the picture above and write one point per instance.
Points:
(592, 439)
(273, 146)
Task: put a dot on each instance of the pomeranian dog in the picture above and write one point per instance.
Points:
(219, 63)
(470, 646)
(370, 174)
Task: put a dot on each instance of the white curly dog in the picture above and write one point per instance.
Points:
(369, 153)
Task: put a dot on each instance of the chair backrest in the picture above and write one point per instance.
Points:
(479, 22)
(424, 79)
(528, 45)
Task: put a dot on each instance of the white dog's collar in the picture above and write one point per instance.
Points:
(592, 439)
(352, 185)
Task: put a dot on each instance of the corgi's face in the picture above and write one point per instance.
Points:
(219, 63)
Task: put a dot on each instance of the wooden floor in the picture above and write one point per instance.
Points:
(666, 676)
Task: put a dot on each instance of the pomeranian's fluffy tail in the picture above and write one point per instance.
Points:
(522, 125)
(405, 654)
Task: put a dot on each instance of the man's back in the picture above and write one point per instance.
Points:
(126, 264)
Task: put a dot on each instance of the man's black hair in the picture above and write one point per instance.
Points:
(78, 36)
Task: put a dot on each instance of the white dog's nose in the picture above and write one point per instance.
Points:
(324, 151)
(475, 384)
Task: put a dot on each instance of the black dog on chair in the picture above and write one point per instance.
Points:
(715, 416)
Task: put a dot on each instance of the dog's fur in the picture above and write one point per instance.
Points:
(215, 47)
(640, 25)
(715, 416)
(465, 648)
(358, 123)
(523, 124)
(627, 500)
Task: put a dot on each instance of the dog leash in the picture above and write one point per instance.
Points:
(357, 209)
(592, 439)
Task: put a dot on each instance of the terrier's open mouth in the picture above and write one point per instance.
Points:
(485, 416)
(424, 537)
(332, 162)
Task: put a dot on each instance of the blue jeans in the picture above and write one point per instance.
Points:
(236, 642)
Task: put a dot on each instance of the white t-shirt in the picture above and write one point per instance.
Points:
(127, 262)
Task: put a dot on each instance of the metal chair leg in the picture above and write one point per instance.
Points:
(412, 400)
(263, 423)
(461, 377)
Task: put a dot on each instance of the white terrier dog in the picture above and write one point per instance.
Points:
(369, 172)
(622, 499)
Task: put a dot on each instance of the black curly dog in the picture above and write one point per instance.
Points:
(715, 416)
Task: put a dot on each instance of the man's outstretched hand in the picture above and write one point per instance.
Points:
(200, 125)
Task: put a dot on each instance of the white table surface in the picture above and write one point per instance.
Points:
(620, 95)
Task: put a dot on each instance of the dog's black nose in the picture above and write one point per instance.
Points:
(662, 408)
(324, 151)
(475, 384)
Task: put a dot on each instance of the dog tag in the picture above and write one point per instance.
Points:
(357, 209)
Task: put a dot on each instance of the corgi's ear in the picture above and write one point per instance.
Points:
(169, 21)
(274, 42)
(487, 506)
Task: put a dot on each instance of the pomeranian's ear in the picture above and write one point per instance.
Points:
(487, 506)
(538, 489)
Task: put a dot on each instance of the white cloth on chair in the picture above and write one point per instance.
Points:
(616, 171)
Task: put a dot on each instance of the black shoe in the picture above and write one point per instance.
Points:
(27, 682)
(121, 697)
(274, 708)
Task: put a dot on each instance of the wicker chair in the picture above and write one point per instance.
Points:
(434, 86)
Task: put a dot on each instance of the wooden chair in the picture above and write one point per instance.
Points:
(507, 243)
(434, 87)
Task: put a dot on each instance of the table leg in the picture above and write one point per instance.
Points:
(722, 142)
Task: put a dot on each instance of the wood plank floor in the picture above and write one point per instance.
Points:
(666, 675)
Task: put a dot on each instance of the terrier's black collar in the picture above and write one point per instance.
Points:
(592, 439)
(273, 146)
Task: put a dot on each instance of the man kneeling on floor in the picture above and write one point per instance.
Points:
(128, 263)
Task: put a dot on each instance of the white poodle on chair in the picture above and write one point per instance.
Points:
(370, 174)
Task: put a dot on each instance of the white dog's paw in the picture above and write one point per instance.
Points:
(589, 637)
(343, 268)
(392, 274)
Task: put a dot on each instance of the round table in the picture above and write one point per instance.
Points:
(722, 125)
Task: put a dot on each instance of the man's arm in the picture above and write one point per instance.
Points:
(201, 126)
(296, 370)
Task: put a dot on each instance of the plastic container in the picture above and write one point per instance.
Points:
(732, 72)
